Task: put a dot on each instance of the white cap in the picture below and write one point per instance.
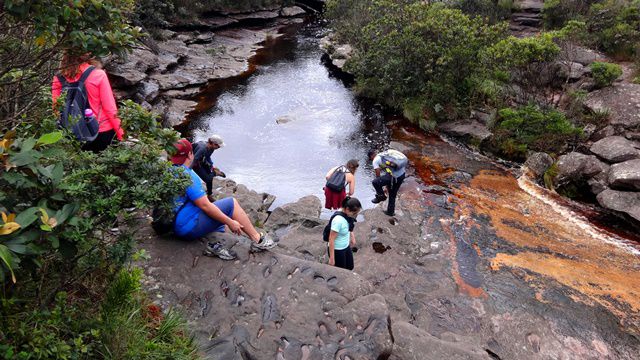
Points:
(216, 139)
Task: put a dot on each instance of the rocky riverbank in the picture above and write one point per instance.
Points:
(167, 75)
(471, 267)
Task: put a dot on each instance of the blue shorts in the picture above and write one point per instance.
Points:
(205, 225)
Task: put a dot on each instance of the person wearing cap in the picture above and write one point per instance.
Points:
(197, 216)
(202, 163)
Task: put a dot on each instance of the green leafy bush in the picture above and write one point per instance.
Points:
(615, 26)
(425, 56)
(68, 220)
(124, 326)
(604, 74)
(531, 128)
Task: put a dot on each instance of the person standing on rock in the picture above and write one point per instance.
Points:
(197, 216)
(341, 238)
(390, 167)
(100, 99)
(337, 180)
(202, 163)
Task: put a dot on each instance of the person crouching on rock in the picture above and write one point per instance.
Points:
(337, 180)
(341, 238)
(197, 216)
(202, 163)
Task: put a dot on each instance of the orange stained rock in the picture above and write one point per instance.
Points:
(554, 246)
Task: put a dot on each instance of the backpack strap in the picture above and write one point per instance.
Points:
(62, 80)
(85, 75)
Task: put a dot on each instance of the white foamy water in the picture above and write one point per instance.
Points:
(573, 218)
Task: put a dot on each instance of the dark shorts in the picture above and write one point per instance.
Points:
(343, 258)
(206, 225)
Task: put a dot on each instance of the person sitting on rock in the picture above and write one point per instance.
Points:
(390, 167)
(341, 238)
(202, 163)
(197, 216)
(337, 180)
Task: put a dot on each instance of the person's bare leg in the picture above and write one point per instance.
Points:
(241, 216)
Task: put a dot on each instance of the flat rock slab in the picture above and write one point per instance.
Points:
(615, 149)
(621, 101)
(472, 130)
(415, 344)
(268, 304)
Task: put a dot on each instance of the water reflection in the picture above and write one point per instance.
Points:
(325, 126)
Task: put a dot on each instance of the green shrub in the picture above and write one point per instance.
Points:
(604, 74)
(125, 326)
(615, 26)
(59, 206)
(530, 128)
(420, 55)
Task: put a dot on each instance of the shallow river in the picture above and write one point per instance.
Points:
(323, 125)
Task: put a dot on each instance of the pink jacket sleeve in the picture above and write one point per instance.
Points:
(109, 106)
(56, 90)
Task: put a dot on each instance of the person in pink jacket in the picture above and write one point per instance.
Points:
(100, 96)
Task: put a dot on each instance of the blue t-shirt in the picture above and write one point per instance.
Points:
(187, 218)
(340, 225)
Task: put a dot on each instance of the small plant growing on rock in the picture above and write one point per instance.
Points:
(530, 128)
(604, 74)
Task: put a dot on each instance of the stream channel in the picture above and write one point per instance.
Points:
(505, 235)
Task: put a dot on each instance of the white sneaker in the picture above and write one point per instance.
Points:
(265, 243)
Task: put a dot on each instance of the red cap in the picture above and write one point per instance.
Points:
(183, 148)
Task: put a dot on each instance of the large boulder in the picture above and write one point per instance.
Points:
(538, 163)
(582, 55)
(572, 71)
(412, 343)
(306, 209)
(625, 176)
(615, 149)
(621, 101)
(623, 201)
(577, 166)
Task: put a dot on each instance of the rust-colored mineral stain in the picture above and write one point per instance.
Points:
(555, 247)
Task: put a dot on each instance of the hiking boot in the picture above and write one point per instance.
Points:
(379, 199)
(386, 212)
(265, 243)
(216, 249)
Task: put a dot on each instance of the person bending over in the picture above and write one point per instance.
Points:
(202, 163)
(197, 216)
(337, 180)
(390, 167)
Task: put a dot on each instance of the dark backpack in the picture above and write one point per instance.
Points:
(72, 115)
(164, 219)
(327, 228)
(337, 179)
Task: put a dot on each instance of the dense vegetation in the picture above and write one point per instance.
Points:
(431, 60)
(435, 61)
(69, 217)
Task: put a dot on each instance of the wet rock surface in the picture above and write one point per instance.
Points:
(474, 267)
(170, 72)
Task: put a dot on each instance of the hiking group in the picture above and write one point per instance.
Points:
(89, 112)
(389, 167)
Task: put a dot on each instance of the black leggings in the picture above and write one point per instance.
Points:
(343, 258)
(103, 141)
